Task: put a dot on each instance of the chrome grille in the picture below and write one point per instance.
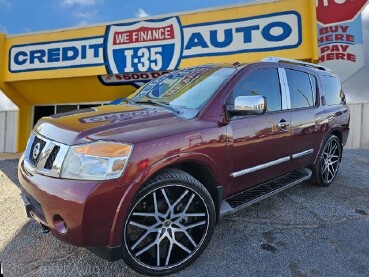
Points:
(50, 160)
(48, 157)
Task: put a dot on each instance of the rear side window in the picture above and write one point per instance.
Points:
(264, 82)
(333, 91)
(302, 89)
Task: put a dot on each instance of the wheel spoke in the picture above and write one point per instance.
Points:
(158, 253)
(155, 202)
(142, 226)
(182, 246)
(334, 148)
(147, 247)
(330, 172)
(169, 253)
(180, 198)
(140, 240)
(166, 198)
(190, 238)
(194, 214)
(188, 203)
(195, 224)
(145, 214)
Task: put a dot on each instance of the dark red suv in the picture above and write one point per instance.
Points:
(146, 179)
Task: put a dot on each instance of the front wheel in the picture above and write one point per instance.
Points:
(169, 224)
(328, 162)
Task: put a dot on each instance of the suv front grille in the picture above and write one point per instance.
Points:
(50, 160)
(44, 156)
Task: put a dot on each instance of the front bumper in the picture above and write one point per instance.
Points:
(31, 208)
(88, 208)
(105, 252)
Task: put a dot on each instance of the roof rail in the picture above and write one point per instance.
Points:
(284, 60)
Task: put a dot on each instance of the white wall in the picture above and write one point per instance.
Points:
(8, 131)
(359, 126)
(5, 103)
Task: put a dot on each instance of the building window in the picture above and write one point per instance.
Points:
(41, 111)
(65, 108)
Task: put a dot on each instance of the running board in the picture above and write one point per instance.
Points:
(253, 195)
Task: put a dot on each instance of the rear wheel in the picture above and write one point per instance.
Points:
(328, 162)
(169, 224)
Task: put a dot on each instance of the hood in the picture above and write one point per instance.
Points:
(84, 125)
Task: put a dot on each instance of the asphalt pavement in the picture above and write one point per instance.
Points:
(304, 231)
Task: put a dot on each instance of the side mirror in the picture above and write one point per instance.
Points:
(244, 105)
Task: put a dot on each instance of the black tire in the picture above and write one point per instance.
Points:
(327, 164)
(183, 226)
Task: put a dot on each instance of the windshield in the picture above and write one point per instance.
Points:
(186, 89)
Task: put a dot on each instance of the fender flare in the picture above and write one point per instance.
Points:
(327, 133)
(116, 232)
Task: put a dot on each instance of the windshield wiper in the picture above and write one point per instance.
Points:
(161, 104)
(129, 101)
(120, 100)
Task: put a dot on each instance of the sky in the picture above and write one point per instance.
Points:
(23, 16)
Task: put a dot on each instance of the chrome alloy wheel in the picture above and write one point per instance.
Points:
(331, 159)
(166, 227)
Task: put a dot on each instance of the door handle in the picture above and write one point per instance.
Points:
(283, 124)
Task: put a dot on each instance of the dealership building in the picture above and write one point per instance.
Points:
(57, 71)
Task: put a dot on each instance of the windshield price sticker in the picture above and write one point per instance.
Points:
(166, 87)
(119, 116)
(129, 78)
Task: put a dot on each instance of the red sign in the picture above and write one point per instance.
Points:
(334, 11)
(144, 34)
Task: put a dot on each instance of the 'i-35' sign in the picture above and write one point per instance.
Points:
(159, 45)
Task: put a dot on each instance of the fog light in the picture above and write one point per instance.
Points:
(60, 224)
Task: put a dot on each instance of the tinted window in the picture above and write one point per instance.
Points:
(333, 92)
(301, 89)
(264, 82)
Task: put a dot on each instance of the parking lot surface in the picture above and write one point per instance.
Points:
(304, 231)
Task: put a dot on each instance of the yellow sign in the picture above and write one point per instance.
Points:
(247, 33)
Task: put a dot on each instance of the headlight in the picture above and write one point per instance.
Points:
(96, 161)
